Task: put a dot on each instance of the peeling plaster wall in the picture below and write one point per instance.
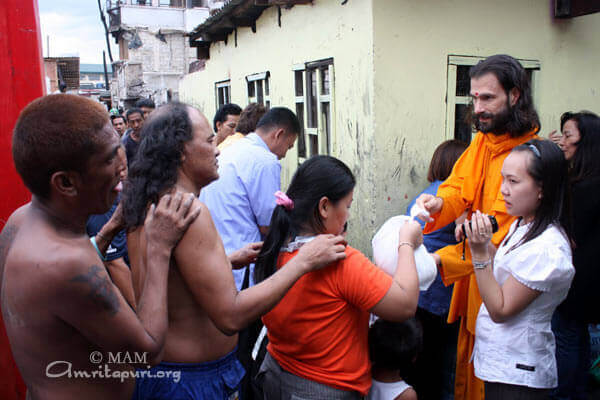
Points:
(412, 41)
(307, 33)
(390, 62)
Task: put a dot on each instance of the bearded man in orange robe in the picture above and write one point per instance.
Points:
(504, 116)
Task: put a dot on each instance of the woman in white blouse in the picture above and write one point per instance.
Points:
(528, 276)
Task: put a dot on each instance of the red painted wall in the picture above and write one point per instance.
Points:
(21, 81)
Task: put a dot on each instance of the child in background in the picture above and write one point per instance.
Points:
(393, 349)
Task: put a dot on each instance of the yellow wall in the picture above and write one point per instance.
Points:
(390, 62)
(412, 41)
(308, 33)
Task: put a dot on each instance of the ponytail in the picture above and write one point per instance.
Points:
(317, 177)
(279, 231)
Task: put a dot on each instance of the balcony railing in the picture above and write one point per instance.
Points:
(113, 4)
(172, 3)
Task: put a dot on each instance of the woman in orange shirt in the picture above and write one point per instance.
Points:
(318, 332)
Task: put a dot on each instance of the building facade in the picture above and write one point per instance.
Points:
(380, 83)
(154, 51)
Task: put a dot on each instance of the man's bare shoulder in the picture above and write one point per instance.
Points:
(201, 246)
(202, 231)
(9, 231)
(60, 267)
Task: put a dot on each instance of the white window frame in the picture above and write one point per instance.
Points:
(325, 143)
(264, 78)
(226, 87)
(452, 99)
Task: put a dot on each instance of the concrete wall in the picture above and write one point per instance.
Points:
(391, 67)
(152, 17)
(163, 17)
(342, 32)
(412, 41)
(154, 68)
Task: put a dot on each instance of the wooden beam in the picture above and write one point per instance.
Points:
(203, 53)
(226, 22)
(216, 36)
(243, 21)
(194, 35)
(575, 8)
(280, 2)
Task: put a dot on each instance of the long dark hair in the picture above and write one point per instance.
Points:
(317, 177)
(511, 74)
(158, 158)
(586, 160)
(549, 168)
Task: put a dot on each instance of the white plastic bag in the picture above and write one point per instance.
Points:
(385, 252)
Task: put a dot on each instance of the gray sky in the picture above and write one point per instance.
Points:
(75, 29)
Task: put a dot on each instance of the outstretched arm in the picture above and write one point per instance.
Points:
(204, 266)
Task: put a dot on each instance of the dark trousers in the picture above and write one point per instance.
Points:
(433, 378)
(505, 391)
(572, 357)
(278, 384)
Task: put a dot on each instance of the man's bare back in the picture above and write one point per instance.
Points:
(193, 337)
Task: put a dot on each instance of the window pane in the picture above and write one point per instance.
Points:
(529, 74)
(251, 92)
(325, 80)
(462, 129)
(221, 99)
(267, 87)
(311, 86)
(259, 92)
(314, 144)
(298, 80)
(326, 123)
(301, 139)
(226, 94)
(463, 82)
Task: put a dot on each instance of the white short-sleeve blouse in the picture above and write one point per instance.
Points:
(520, 351)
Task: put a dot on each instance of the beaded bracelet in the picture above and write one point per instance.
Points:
(406, 244)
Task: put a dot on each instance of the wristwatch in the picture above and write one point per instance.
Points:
(482, 264)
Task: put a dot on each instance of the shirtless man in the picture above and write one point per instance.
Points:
(205, 309)
(60, 308)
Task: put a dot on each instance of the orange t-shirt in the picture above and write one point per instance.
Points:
(319, 330)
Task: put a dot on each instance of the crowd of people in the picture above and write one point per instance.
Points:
(158, 235)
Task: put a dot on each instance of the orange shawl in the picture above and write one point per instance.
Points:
(474, 184)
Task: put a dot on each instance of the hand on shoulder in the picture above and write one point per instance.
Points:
(167, 221)
(322, 251)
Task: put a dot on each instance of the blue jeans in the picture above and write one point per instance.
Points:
(572, 357)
